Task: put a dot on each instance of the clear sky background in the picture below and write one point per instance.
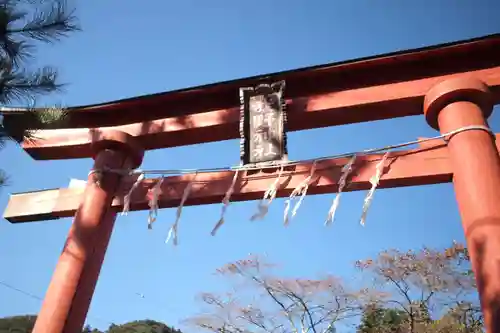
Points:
(127, 49)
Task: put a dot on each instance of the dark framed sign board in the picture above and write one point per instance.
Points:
(263, 124)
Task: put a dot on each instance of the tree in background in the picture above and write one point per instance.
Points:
(88, 329)
(263, 302)
(377, 319)
(422, 291)
(23, 26)
(24, 324)
(142, 326)
(416, 281)
(466, 318)
(17, 324)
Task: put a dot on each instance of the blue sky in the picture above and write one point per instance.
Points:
(127, 50)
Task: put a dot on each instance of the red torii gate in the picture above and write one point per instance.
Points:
(454, 85)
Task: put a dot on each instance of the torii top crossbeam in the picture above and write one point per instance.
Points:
(375, 88)
(454, 85)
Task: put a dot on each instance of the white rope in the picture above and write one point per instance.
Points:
(270, 194)
(445, 136)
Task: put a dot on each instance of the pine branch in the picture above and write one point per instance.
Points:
(24, 85)
(24, 125)
(50, 115)
(46, 25)
(49, 24)
(4, 136)
(14, 50)
(44, 118)
(17, 30)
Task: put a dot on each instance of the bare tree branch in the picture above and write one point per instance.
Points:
(272, 304)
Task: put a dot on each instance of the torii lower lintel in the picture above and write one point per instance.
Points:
(429, 164)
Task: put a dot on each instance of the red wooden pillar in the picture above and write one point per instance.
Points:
(70, 292)
(448, 106)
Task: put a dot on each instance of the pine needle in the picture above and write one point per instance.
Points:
(24, 125)
(23, 85)
(19, 28)
(49, 24)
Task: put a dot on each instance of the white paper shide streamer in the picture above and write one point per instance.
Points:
(172, 233)
(153, 203)
(346, 172)
(225, 203)
(374, 181)
(298, 194)
(126, 198)
(269, 195)
(299, 190)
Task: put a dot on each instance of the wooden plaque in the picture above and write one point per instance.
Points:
(263, 124)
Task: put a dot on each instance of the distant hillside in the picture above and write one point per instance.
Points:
(24, 324)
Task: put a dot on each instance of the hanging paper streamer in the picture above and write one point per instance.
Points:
(153, 195)
(299, 190)
(269, 196)
(172, 233)
(374, 181)
(346, 171)
(225, 203)
(126, 198)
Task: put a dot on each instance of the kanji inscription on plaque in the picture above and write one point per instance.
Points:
(263, 124)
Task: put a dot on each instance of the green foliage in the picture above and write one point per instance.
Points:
(142, 326)
(24, 324)
(382, 320)
(414, 281)
(17, 324)
(22, 26)
(460, 319)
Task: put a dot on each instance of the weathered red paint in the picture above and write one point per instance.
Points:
(386, 101)
(426, 165)
(70, 291)
(407, 65)
(370, 89)
(474, 156)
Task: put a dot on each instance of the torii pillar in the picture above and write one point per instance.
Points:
(455, 104)
(70, 291)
